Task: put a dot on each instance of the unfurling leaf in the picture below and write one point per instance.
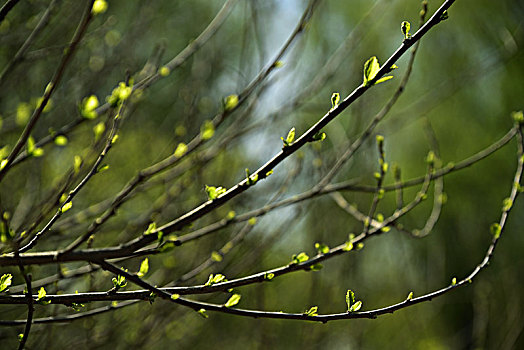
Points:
(355, 307)
(301, 257)
(371, 68)
(335, 99)
(289, 138)
(319, 136)
(404, 27)
(202, 312)
(321, 248)
(144, 268)
(5, 282)
(214, 192)
(235, 298)
(213, 279)
(41, 294)
(313, 311)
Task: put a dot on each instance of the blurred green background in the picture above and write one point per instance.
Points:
(466, 81)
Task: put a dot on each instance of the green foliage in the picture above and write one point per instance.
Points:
(216, 256)
(5, 282)
(120, 94)
(313, 311)
(335, 99)
(88, 107)
(299, 258)
(353, 305)
(119, 282)
(251, 179)
(316, 267)
(41, 296)
(66, 206)
(150, 229)
(233, 300)
(321, 248)
(269, 276)
(230, 102)
(99, 130)
(371, 68)
(213, 279)
(180, 150)
(99, 7)
(496, 230)
(288, 141)
(203, 313)
(518, 117)
(319, 136)
(404, 27)
(214, 192)
(207, 130)
(507, 203)
(32, 149)
(144, 268)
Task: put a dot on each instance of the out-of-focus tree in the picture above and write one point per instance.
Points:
(236, 173)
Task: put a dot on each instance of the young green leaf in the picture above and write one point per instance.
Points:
(316, 267)
(404, 27)
(230, 102)
(350, 298)
(313, 311)
(235, 298)
(251, 179)
(269, 276)
(216, 256)
(371, 68)
(119, 282)
(410, 296)
(99, 6)
(66, 207)
(321, 248)
(496, 230)
(180, 150)
(88, 107)
(5, 282)
(214, 192)
(301, 257)
(356, 306)
(289, 138)
(335, 99)
(144, 268)
(215, 279)
(319, 136)
(202, 312)
(348, 246)
(41, 294)
(175, 296)
(207, 130)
